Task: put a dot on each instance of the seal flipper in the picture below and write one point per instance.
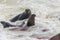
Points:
(6, 24)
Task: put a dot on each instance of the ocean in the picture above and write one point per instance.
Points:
(47, 17)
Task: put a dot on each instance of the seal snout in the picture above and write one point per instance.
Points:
(2, 22)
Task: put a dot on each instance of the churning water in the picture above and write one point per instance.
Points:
(47, 17)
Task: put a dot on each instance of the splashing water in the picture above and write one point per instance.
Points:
(47, 17)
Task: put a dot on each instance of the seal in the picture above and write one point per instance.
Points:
(31, 20)
(22, 16)
(6, 24)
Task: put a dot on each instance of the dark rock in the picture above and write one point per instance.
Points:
(56, 37)
(45, 30)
